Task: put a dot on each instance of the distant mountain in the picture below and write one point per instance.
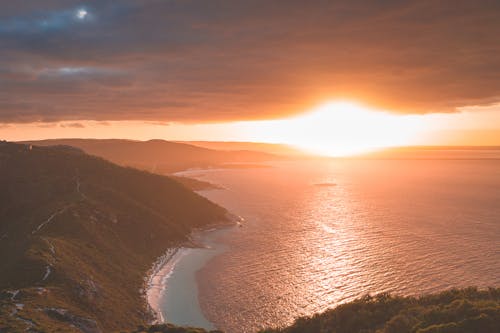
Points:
(270, 148)
(160, 156)
(78, 234)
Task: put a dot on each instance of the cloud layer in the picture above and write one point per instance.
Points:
(213, 60)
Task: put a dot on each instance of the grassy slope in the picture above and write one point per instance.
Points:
(104, 226)
(453, 311)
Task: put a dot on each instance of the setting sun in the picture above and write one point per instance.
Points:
(346, 128)
(339, 129)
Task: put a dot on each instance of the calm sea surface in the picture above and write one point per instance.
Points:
(317, 234)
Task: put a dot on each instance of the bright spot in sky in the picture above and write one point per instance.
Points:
(81, 14)
(333, 129)
(340, 129)
(344, 128)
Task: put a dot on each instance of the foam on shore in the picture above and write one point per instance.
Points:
(172, 288)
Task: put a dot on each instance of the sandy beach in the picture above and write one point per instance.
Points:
(172, 290)
(161, 269)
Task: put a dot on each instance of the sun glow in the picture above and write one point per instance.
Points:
(343, 128)
(346, 128)
(333, 129)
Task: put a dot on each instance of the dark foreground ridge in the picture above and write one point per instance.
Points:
(453, 311)
(78, 235)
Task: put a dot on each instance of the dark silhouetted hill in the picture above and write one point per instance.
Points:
(79, 233)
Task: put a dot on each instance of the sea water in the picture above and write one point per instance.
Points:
(318, 234)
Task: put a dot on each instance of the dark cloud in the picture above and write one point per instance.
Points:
(199, 60)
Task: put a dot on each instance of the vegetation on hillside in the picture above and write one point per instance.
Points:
(78, 234)
(453, 311)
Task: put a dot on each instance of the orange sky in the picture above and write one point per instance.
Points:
(333, 128)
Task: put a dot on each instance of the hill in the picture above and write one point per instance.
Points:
(160, 156)
(453, 311)
(271, 148)
(78, 234)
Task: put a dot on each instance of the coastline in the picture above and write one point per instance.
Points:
(154, 285)
(171, 289)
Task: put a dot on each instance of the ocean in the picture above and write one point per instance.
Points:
(320, 233)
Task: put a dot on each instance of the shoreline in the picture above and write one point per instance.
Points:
(179, 264)
(154, 286)
(171, 283)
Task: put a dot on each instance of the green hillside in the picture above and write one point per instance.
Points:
(78, 234)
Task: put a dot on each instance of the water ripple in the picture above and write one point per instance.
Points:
(398, 226)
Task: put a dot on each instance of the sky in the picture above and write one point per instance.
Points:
(223, 70)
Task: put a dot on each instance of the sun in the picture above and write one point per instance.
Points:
(339, 128)
(347, 128)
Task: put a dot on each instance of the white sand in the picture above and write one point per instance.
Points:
(172, 289)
